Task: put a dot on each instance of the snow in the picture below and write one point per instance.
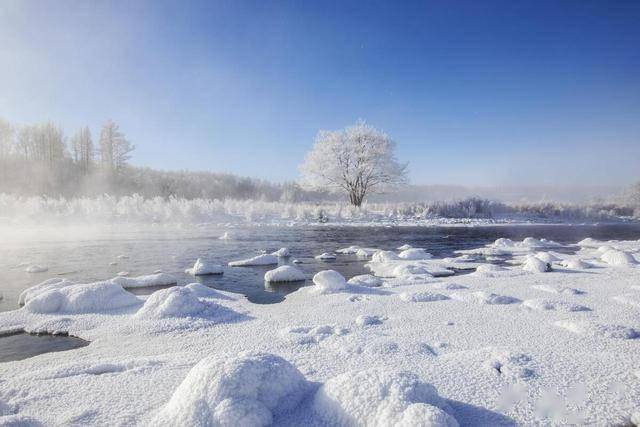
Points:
(262, 259)
(282, 252)
(575, 264)
(404, 247)
(534, 264)
(204, 268)
(384, 256)
(414, 253)
(87, 298)
(226, 236)
(173, 302)
(35, 268)
(284, 273)
(157, 279)
(618, 258)
(377, 397)
(326, 256)
(495, 346)
(366, 280)
(251, 389)
(329, 281)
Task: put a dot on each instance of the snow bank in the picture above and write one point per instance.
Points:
(158, 279)
(252, 389)
(618, 258)
(282, 252)
(366, 280)
(377, 397)
(173, 302)
(204, 268)
(329, 281)
(75, 299)
(284, 273)
(415, 254)
(263, 259)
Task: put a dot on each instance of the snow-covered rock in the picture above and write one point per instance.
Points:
(35, 268)
(158, 279)
(204, 268)
(252, 389)
(329, 281)
(414, 254)
(618, 258)
(326, 256)
(82, 298)
(534, 264)
(547, 257)
(384, 256)
(282, 252)
(284, 273)
(262, 259)
(366, 280)
(380, 398)
(173, 302)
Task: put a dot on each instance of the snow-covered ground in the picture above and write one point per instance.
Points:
(528, 342)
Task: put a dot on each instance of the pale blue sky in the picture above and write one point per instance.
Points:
(475, 93)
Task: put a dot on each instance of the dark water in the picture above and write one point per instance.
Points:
(172, 252)
(22, 345)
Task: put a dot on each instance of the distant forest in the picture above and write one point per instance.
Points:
(40, 159)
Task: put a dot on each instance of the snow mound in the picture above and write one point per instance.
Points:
(226, 236)
(547, 257)
(378, 398)
(366, 280)
(284, 273)
(575, 264)
(422, 297)
(158, 279)
(404, 270)
(263, 259)
(348, 250)
(363, 320)
(252, 389)
(75, 299)
(504, 242)
(203, 291)
(598, 329)
(282, 252)
(589, 243)
(489, 270)
(493, 299)
(47, 285)
(326, 256)
(404, 247)
(365, 252)
(203, 268)
(618, 258)
(329, 281)
(415, 254)
(173, 302)
(536, 265)
(545, 304)
(35, 268)
(384, 256)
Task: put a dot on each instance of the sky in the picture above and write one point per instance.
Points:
(474, 93)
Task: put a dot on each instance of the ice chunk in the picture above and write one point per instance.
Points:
(159, 279)
(35, 268)
(326, 256)
(284, 273)
(204, 268)
(329, 281)
(282, 252)
(252, 389)
(377, 398)
(75, 299)
(263, 259)
(536, 265)
(415, 254)
(366, 280)
(384, 256)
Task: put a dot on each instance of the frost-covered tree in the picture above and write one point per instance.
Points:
(115, 149)
(357, 160)
(83, 151)
(6, 138)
